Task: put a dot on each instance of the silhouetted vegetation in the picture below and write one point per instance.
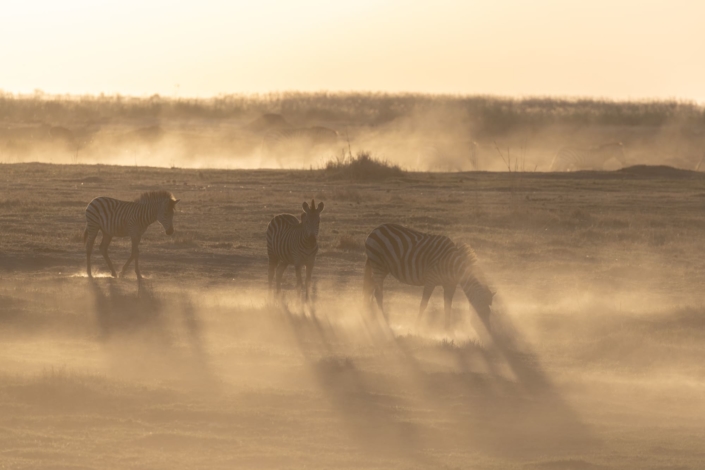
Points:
(488, 115)
(363, 166)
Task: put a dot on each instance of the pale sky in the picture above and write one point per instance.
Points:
(622, 49)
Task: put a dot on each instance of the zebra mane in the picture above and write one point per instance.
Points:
(152, 195)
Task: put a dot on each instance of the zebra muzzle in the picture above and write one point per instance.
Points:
(170, 231)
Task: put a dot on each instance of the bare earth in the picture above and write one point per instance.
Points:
(595, 358)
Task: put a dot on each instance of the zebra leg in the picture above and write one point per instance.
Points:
(136, 254)
(105, 242)
(280, 272)
(90, 240)
(448, 293)
(272, 268)
(133, 256)
(299, 280)
(309, 273)
(427, 291)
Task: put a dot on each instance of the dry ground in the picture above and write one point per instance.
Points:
(595, 358)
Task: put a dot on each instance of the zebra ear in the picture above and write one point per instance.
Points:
(320, 207)
(305, 206)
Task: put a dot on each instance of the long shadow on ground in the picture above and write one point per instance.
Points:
(376, 421)
(497, 398)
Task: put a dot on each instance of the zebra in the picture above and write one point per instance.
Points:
(121, 219)
(422, 259)
(290, 241)
(592, 158)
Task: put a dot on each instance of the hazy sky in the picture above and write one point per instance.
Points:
(618, 49)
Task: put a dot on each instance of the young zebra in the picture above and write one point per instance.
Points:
(292, 242)
(421, 259)
(121, 219)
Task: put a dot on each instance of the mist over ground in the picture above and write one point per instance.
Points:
(594, 358)
(417, 132)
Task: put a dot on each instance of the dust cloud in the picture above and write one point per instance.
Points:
(300, 131)
(171, 374)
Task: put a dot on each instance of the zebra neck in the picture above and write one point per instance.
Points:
(149, 212)
(308, 242)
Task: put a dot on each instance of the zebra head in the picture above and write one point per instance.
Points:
(480, 297)
(311, 219)
(470, 279)
(165, 214)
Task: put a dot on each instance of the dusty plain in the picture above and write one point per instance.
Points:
(595, 358)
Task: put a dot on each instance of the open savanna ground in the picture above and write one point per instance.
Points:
(595, 357)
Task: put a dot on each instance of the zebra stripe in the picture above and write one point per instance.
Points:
(290, 241)
(422, 259)
(592, 158)
(117, 218)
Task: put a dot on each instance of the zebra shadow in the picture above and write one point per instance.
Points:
(119, 309)
(141, 322)
(498, 396)
(375, 421)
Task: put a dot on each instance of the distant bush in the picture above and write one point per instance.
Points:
(362, 167)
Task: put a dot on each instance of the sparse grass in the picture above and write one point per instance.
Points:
(362, 167)
(347, 194)
(76, 237)
(350, 243)
(183, 240)
(197, 367)
(337, 194)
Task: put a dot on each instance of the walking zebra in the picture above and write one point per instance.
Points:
(292, 242)
(421, 259)
(592, 158)
(121, 219)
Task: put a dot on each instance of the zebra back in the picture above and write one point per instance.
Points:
(122, 218)
(407, 254)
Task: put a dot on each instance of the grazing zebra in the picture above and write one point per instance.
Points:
(292, 242)
(305, 138)
(592, 158)
(421, 259)
(122, 218)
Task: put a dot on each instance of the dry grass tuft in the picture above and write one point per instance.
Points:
(349, 243)
(362, 167)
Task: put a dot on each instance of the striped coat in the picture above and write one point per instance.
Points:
(117, 218)
(421, 259)
(290, 241)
